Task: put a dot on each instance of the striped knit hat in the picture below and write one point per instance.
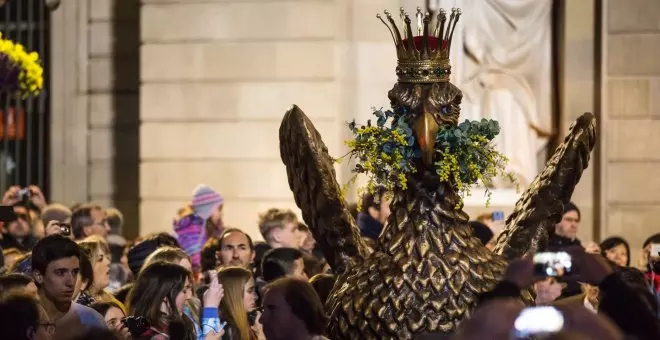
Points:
(205, 200)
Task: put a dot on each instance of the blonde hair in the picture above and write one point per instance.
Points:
(275, 218)
(166, 254)
(92, 247)
(233, 280)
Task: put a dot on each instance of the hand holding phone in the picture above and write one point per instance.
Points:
(552, 264)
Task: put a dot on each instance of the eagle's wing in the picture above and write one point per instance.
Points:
(541, 205)
(312, 179)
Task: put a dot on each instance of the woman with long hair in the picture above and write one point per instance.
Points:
(240, 299)
(113, 315)
(98, 252)
(209, 320)
(159, 296)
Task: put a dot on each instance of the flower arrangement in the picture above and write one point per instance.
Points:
(20, 71)
(386, 152)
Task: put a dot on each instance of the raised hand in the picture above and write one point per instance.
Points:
(11, 195)
(215, 293)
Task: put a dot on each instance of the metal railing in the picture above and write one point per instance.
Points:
(24, 123)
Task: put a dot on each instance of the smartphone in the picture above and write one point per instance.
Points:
(536, 321)
(7, 213)
(552, 264)
(497, 216)
(655, 250)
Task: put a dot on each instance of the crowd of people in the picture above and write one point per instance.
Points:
(69, 274)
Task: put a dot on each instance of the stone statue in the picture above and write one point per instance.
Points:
(505, 74)
(426, 271)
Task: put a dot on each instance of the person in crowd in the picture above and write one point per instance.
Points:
(18, 233)
(621, 295)
(239, 304)
(650, 264)
(55, 268)
(119, 271)
(82, 291)
(87, 220)
(115, 220)
(292, 310)
(159, 296)
(22, 265)
(100, 334)
(283, 262)
(22, 318)
(279, 227)
(113, 315)
(314, 266)
(260, 249)
(99, 256)
(483, 233)
(208, 255)
(617, 250)
(55, 212)
(496, 320)
(235, 248)
(565, 233)
(11, 255)
(308, 242)
(190, 223)
(323, 284)
(17, 283)
(374, 211)
(211, 297)
(302, 232)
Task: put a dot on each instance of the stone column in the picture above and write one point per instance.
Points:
(631, 108)
(94, 141)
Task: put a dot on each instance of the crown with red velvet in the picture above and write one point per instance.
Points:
(423, 56)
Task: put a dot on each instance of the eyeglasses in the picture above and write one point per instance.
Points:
(48, 327)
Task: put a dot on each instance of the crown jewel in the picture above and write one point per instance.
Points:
(424, 57)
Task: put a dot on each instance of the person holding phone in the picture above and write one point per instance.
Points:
(651, 264)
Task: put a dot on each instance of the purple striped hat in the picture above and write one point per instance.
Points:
(205, 200)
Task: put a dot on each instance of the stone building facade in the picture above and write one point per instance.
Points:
(153, 98)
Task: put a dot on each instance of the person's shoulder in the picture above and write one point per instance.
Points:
(88, 316)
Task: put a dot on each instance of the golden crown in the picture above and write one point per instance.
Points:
(424, 57)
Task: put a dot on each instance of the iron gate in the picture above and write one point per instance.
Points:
(25, 123)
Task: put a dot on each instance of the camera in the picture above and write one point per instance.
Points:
(136, 325)
(552, 264)
(252, 316)
(24, 193)
(65, 228)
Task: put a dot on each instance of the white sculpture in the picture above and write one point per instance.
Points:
(504, 71)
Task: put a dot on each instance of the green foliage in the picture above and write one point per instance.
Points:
(466, 155)
(387, 151)
(384, 151)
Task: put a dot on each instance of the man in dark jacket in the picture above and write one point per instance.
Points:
(565, 235)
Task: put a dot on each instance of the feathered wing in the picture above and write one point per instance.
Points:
(542, 204)
(313, 181)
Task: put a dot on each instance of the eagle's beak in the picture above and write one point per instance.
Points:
(426, 129)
